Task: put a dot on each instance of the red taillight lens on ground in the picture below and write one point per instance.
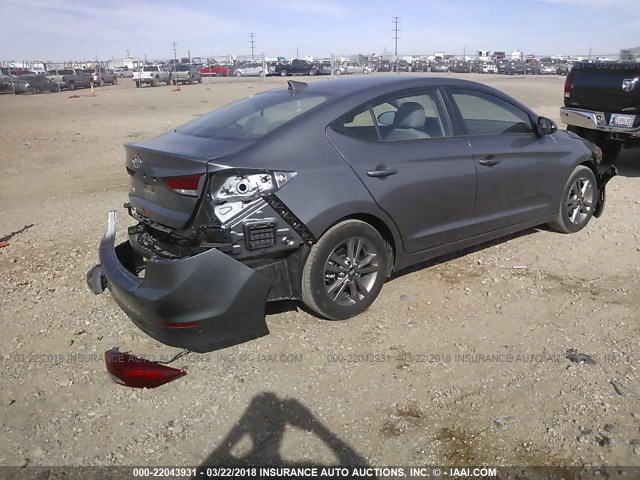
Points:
(568, 85)
(133, 371)
(187, 185)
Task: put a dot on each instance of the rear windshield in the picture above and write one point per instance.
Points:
(182, 68)
(150, 69)
(252, 117)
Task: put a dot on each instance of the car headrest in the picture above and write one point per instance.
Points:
(409, 115)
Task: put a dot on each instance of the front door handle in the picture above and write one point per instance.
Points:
(382, 171)
(489, 161)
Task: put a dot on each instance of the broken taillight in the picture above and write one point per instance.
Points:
(186, 185)
(133, 371)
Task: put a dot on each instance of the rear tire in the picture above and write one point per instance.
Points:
(283, 73)
(137, 84)
(345, 270)
(72, 86)
(115, 81)
(155, 81)
(578, 201)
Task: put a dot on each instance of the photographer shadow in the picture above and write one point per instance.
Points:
(265, 422)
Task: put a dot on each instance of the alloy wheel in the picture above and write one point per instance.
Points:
(580, 200)
(351, 271)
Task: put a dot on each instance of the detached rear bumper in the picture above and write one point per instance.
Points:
(202, 303)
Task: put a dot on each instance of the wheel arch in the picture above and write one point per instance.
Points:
(383, 229)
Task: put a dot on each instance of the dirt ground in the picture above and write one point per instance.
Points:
(460, 361)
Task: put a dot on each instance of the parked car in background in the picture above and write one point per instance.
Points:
(547, 69)
(16, 72)
(532, 68)
(501, 65)
(439, 66)
(216, 70)
(563, 68)
(102, 76)
(70, 78)
(123, 72)
(186, 74)
(296, 67)
(402, 66)
(324, 67)
(419, 66)
(252, 69)
(5, 79)
(152, 75)
(40, 83)
(489, 67)
(425, 167)
(349, 69)
(384, 66)
(460, 66)
(515, 67)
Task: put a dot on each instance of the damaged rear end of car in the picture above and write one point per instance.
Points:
(212, 242)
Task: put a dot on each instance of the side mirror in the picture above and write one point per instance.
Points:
(386, 118)
(546, 126)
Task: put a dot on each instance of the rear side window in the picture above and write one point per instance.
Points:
(399, 117)
(252, 117)
(486, 114)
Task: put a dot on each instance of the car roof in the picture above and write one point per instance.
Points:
(347, 86)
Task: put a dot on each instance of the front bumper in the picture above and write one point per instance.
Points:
(204, 302)
(592, 120)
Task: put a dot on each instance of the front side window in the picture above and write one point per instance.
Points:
(486, 114)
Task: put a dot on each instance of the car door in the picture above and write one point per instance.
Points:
(515, 165)
(401, 148)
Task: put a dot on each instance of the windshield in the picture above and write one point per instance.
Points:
(150, 69)
(252, 117)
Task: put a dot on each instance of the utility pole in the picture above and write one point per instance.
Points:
(252, 42)
(175, 64)
(189, 54)
(128, 56)
(396, 22)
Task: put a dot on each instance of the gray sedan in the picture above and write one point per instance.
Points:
(319, 192)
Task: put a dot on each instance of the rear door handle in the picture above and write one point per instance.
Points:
(382, 171)
(489, 161)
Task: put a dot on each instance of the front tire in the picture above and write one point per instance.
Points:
(345, 270)
(115, 81)
(283, 73)
(578, 202)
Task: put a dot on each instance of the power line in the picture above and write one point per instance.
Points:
(252, 42)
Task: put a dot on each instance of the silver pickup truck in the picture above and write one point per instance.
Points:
(186, 74)
(70, 78)
(602, 104)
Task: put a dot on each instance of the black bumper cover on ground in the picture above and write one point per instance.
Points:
(225, 298)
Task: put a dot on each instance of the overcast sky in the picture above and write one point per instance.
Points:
(61, 30)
